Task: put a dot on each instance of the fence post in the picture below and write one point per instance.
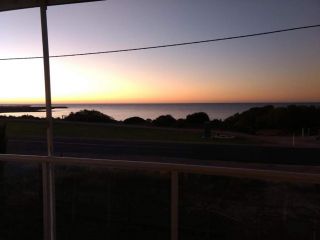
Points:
(174, 204)
(3, 150)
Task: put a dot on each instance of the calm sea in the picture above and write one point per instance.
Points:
(152, 111)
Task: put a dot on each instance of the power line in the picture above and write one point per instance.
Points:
(168, 45)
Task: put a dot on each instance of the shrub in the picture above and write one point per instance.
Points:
(216, 123)
(135, 121)
(197, 119)
(89, 116)
(290, 118)
(165, 121)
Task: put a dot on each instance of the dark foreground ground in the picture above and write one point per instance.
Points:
(102, 203)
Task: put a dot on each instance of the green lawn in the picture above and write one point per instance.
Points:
(105, 131)
(108, 131)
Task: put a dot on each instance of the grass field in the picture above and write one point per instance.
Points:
(19, 128)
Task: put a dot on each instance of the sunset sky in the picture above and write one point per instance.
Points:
(282, 67)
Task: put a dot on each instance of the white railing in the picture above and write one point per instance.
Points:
(173, 168)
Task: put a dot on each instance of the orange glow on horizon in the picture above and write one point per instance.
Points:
(86, 82)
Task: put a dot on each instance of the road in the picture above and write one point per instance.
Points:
(195, 153)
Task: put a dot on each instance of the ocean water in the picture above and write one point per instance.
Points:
(152, 111)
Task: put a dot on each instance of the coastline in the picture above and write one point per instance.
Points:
(120, 112)
(25, 108)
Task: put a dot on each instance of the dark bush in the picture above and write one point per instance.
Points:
(181, 123)
(216, 123)
(89, 116)
(29, 117)
(165, 121)
(135, 121)
(197, 119)
(290, 118)
(24, 117)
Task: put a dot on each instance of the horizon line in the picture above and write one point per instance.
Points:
(163, 103)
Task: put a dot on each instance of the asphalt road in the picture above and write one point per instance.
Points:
(164, 151)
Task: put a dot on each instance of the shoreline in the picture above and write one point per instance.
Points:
(147, 111)
(25, 108)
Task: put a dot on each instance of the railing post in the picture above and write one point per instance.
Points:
(48, 201)
(174, 204)
(47, 167)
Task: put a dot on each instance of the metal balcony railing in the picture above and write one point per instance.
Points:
(172, 168)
